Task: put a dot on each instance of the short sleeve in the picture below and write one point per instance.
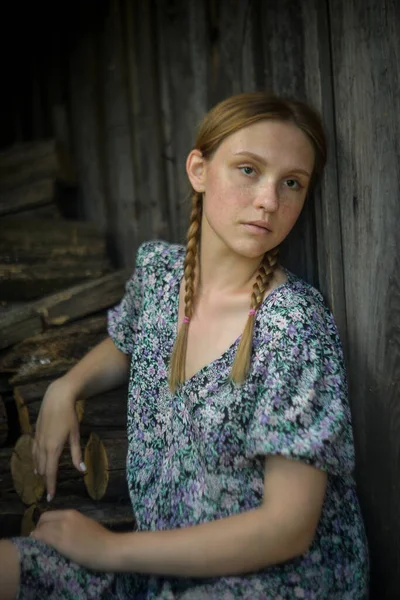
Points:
(301, 409)
(122, 320)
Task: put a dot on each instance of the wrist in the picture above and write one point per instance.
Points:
(67, 387)
(120, 551)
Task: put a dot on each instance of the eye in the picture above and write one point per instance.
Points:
(247, 170)
(293, 184)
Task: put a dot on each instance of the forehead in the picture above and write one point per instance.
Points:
(272, 141)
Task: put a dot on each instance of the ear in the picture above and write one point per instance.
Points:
(196, 170)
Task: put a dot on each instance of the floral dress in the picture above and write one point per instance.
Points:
(198, 455)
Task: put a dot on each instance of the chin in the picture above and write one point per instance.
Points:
(252, 251)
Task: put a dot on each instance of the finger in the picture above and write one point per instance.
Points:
(34, 455)
(41, 458)
(76, 452)
(51, 471)
(50, 515)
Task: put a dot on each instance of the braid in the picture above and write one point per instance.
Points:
(265, 274)
(178, 357)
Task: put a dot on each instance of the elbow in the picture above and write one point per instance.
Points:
(302, 542)
(291, 545)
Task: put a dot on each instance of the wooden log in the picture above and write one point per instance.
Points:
(18, 323)
(115, 516)
(30, 487)
(13, 254)
(84, 299)
(72, 340)
(28, 162)
(37, 233)
(105, 459)
(104, 411)
(3, 422)
(72, 303)
(46, 371)
(28, 282)
(27, 196)
(48, 212)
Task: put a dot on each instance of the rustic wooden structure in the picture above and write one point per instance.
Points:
(140, 77)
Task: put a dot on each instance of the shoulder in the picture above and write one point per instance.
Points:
(297, 313)
(158, 255)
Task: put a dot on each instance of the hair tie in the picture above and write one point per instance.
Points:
(186, 319)
(252, 312)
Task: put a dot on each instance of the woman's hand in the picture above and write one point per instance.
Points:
(82, 540)
(57, 421)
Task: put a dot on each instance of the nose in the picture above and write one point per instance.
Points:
(267, 198)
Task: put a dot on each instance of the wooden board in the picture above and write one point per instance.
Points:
(32, 195)
(325, 198)
(28, 282)
(151, 209)
(117, 137)
(366, 57)
(85, 93)
(183, 62)
(33, 161)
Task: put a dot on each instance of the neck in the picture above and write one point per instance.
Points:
(218, 263)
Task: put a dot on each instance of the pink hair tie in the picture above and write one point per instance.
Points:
(252, 312)
(186, 319)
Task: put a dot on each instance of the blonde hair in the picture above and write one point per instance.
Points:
(223, 120)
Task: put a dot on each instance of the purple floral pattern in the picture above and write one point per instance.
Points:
(198, 455)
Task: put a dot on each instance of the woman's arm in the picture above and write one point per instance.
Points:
(102, 369)
(282, 528)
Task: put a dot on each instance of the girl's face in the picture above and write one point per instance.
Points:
(254, 186)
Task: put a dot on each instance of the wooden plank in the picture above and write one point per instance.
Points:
(37, 232)
(70, 304)
(84, 299)
(27, 196)
(325, 198)
(18, 323)
(35, 160)
(183, 62)
(69, 340)
(117, 137)
(366, 58)
(48, 211)
(85, 110)
(151, 210)
(93, 250)
(229, 23)
(27, 282)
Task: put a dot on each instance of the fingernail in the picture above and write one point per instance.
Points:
(48, 497)
(83, 466)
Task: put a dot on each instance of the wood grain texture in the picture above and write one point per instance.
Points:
(151, 206)
(116, 143)
(366, 58)
(325, 198)
(183, 87)
(85, 116)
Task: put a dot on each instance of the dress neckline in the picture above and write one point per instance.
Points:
(226, 353)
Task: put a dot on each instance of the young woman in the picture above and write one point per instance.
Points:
(240, 444)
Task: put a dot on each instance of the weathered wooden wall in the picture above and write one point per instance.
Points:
(365, 62)
(125, 83)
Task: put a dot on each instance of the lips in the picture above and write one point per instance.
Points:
(261, 224)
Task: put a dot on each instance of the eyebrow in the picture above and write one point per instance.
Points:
(264, 162)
